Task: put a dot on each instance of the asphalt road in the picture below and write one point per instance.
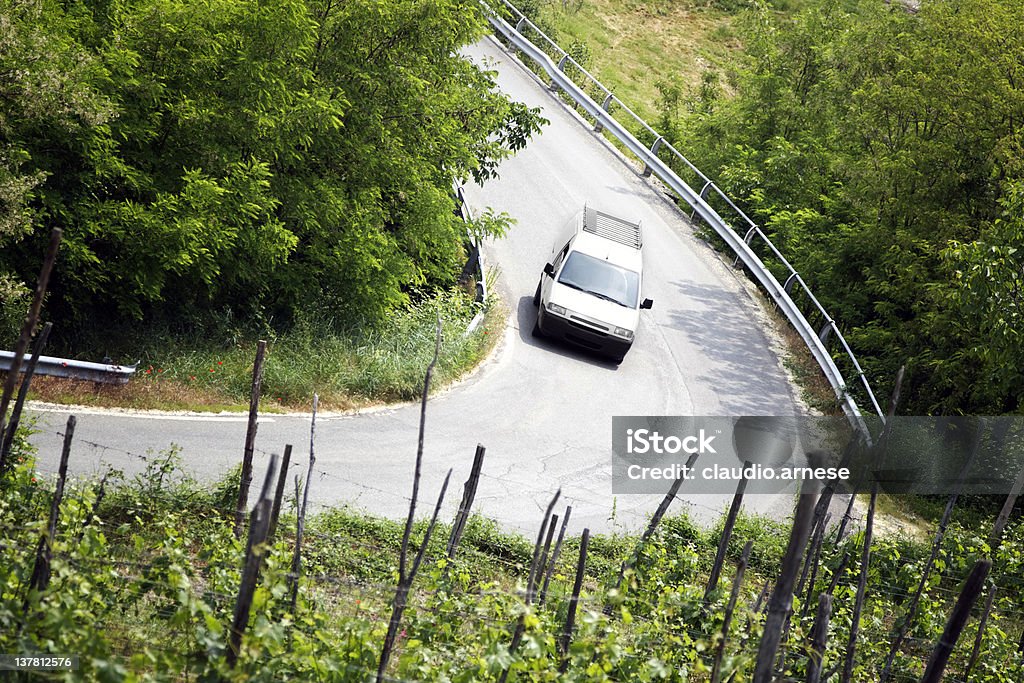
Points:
(542, 410)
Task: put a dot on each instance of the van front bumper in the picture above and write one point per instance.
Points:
(578, 332)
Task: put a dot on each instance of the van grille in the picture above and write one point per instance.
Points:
(587, 325)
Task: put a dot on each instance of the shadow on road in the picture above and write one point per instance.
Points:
(745, 375)
(526, 318)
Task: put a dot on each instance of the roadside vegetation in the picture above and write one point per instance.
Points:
(878, 146)
(145, 571)
(243, 170)
(363, 366)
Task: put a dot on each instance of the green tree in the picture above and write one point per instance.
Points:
(870, 141)
(243, 157)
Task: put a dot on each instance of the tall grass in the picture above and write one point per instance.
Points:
(347, 366)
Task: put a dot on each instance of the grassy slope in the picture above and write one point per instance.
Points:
(636, 45)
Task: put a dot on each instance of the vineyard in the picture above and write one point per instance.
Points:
(152, 577)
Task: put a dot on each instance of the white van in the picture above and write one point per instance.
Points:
(589, 292)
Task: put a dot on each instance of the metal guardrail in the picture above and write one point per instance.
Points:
(73, 369)
(780, 293)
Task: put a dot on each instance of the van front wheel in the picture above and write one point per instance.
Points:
(536, 296)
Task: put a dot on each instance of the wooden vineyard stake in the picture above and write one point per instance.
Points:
(259, 526)
(737, 582)
(27, 329)
(570, 615)
(957, 620)
(819, 637)
(19, 403)
(554, 555)
(517, 633)
(862, 584)
(44, 553)
(250, 438)
(723, 543)
(468, 495)
(282, 479)
(781, 602)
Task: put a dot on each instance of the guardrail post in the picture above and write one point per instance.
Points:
(561, 67)
(746, 239)
(704, 197)
(788, 286)
(598, 127)
(519, 24)
(654, 150)
(826, 331)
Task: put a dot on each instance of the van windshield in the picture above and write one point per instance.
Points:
(601, 278)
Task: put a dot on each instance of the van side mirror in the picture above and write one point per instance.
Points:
(549, 269)
(647, 303)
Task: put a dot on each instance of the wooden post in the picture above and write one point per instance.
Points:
(847, 518)
(534, 561)
(940, 533)
(27, 329)
(44, 553)
(293, 577)
(419, 453)
(723, 543)
(517, 633)
(811, 564)
(19, 403)
(976, 650)
(405, 575)
(250, 438)
(862, 584)
(405, 584)
(554, 555)
(996, 537)
(737, 582)
(809, 557)
(957, 620)
(819, 636)
(781, 601)
(300, 524)
(468, 495)
(542, 565)
(761, 597)
(825, 500)
(282, 478)
(259, 526)
(570, 616)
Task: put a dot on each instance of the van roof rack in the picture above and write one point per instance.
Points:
(613, 228)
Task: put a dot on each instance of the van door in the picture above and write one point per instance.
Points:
(545, 280)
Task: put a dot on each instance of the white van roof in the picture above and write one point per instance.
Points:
(610, 239)
(612, 228)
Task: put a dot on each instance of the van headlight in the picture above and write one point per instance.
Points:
(623, 332)
(556, 309)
